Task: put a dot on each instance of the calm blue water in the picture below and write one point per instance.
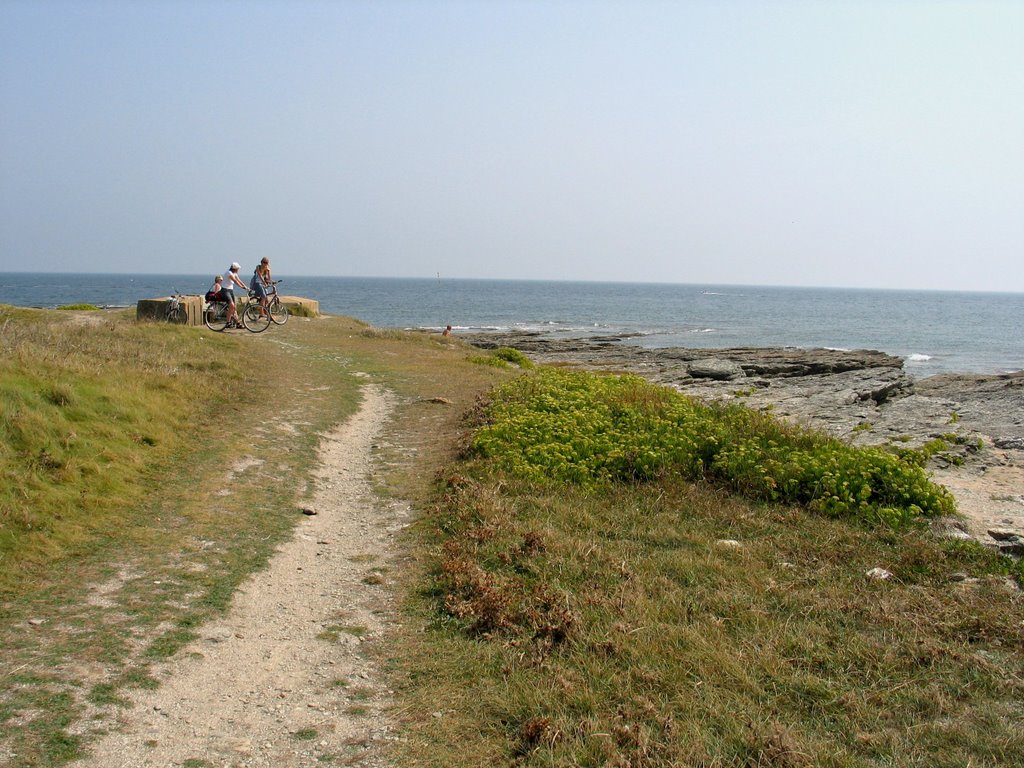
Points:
(934, 331)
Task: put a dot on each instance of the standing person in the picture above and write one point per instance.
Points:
(261, 282)
(232, 279)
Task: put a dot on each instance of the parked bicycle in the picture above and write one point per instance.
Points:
(174, 312)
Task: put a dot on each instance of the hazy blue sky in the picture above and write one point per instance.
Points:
(873, 144)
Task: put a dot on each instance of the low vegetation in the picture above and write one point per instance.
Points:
(596, 593)
(579, 427)
(301, 310)
(503, 357)
(86, 414)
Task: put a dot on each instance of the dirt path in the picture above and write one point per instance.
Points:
(284, 680)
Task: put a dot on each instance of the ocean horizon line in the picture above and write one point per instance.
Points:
(524, 280)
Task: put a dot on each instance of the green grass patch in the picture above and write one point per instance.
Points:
(80, 307)
(301, 310)
(333, 632)
(491, 360)
(106, 694)
(503, 357)
(77, 443)
(514, 356)
(590, 429)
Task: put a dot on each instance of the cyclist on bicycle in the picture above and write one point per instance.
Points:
(228, 292)
(261, 283)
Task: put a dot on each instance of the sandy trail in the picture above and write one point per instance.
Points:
(284, 680)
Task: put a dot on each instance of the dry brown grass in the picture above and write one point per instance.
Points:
(615, 629)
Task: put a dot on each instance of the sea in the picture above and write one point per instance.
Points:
(933, 331)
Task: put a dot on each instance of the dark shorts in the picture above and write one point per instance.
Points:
(228, 295)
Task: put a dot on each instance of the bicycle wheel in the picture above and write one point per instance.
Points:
(216, 316)
(278, 311)
(175, 315)
(253, 320)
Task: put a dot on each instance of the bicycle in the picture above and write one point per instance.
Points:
(174, 312)
(215, 315)
(255, 317)
(278, 309)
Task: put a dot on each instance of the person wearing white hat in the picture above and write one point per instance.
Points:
(231, 279)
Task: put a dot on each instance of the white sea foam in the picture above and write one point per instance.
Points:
(919, 358)
(482, 328)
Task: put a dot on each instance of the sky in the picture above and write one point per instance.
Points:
(850, 144)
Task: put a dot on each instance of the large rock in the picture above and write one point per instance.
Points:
(711, 368)
(996, 401)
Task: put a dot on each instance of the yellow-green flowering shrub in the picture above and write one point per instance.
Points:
(593, 429)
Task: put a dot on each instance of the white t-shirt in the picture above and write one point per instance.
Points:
(229, 284)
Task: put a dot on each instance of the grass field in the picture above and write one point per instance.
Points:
(149, 469)
(598, 591)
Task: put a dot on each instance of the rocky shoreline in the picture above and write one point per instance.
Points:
(863, 396)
